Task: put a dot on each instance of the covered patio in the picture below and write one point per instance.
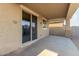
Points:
(39, 29)
(60, 46)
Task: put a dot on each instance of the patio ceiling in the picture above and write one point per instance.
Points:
(49, 10)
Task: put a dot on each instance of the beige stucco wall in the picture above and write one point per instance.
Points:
(41, 31)
(11, 29)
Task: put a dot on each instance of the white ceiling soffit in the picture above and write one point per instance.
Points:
(49, 10)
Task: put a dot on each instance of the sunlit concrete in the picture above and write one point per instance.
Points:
(47, 52)
(61, 45)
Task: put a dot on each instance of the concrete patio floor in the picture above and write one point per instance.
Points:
(60, 45)
(75, 40)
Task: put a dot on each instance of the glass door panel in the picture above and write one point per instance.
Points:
(34, 27)
(26, 27)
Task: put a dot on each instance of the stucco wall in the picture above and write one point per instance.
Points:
(41, 31)
(11, 29)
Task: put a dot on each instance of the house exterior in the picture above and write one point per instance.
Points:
(11, 25)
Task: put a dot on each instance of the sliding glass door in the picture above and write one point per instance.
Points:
(34, 27)
(29, 27)
(26, 27)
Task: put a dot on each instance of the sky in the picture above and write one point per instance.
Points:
(75, 19)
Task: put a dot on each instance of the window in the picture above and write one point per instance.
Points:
(44, 24)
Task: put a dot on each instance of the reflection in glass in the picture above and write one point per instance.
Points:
(25, 27)
(34, 27)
